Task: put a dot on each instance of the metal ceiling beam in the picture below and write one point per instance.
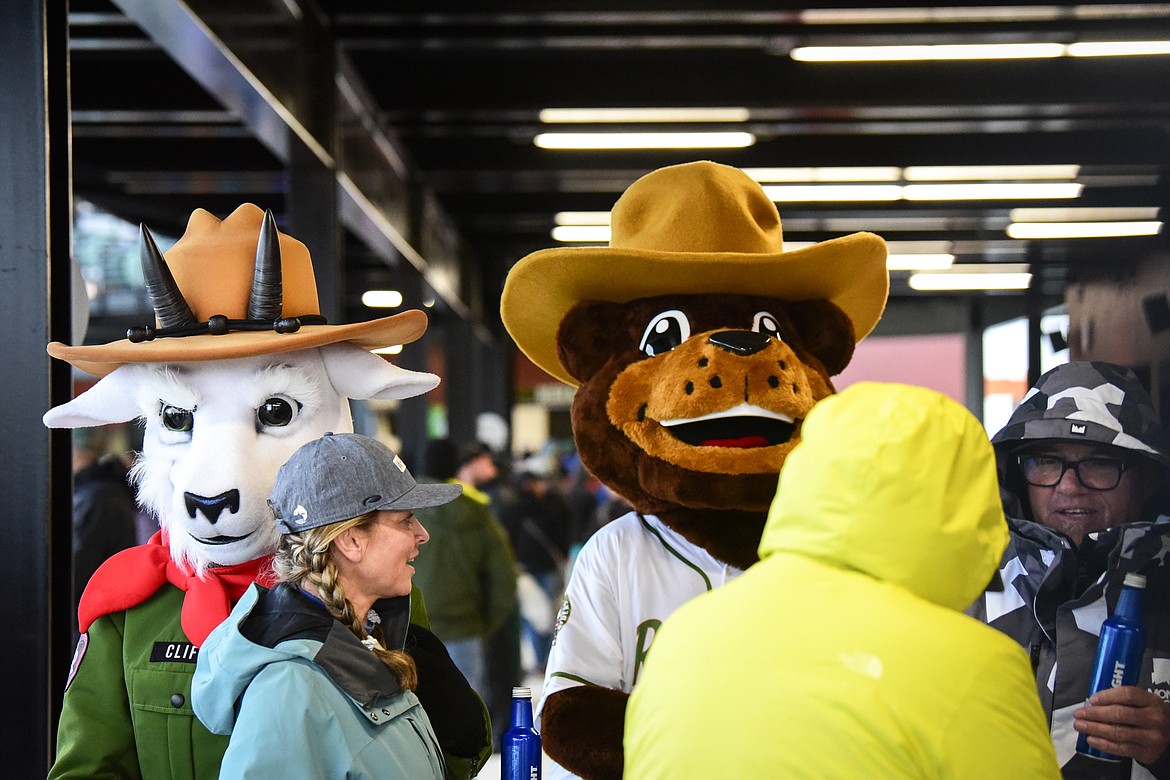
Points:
(228, 54)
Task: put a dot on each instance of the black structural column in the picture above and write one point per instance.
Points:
(973, 357)
(410, 419)
(463, 379)
(35, 492)
(311, 201)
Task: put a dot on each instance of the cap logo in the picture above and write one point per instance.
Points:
(398, 462)
(371, 500)
(300, 515)
(1080, 430)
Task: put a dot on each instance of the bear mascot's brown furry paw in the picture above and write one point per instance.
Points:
(698, 345)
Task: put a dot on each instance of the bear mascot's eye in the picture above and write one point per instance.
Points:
(175, 418)
(766, 323)
(277, 412)
(665, 332)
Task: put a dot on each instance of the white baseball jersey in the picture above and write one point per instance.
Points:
(628, 578)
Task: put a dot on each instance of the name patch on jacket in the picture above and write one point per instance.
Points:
(175, 652)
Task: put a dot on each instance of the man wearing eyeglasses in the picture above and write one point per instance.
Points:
(1084, 467)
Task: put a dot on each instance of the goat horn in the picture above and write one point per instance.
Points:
(165, 296)
(267, 298)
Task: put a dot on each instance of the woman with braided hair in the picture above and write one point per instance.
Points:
(311, 677)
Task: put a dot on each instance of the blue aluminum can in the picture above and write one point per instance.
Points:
(520, 747)
(1119, 651)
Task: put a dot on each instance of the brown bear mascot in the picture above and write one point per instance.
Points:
(698, 346)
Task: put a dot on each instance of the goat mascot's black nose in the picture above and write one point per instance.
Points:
(214, 505)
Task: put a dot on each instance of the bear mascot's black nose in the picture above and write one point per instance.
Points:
(740, 342)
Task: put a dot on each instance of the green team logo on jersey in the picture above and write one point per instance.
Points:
(647, 630)
(562, 617)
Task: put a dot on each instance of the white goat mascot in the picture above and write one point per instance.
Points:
(239, 371)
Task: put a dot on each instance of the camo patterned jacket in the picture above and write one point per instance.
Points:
(1055, 596)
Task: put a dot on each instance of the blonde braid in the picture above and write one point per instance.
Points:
(306, 558)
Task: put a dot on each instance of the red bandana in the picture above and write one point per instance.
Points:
(131, 576)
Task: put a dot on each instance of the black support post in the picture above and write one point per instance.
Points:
(35, 493)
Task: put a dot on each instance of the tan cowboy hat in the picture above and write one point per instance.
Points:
(207, 310)
(699, 227)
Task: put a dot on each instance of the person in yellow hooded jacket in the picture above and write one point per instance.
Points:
(844, 652)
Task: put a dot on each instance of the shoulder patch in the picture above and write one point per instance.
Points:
(562, 617)
(78, 655)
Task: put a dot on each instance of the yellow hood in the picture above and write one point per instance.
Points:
(896, 482)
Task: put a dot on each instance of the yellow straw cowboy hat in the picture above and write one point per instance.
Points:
(228, 289)
(699, 228)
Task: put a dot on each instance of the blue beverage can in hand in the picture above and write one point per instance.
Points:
(1119, 651)
(521, 752)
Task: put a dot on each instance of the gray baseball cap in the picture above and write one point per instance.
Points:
(343, 475)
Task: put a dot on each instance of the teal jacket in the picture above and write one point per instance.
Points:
(303, 698)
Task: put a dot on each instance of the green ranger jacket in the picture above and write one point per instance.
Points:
(130, 685)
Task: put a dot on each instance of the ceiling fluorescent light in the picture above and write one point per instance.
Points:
(1117, 48)
(934, 14)
(1082, 229)
(869, 173)
(582, 218)
(1103, 214)
(809, 193)
(919, 262)
(991, 268)
(888, 224)
(991, 191)
(975, 276)
(990, 172)
(382, 299)
(643, 140)
(959, 51)
(833, 192)
(570, 234)
(571, 115)
(918, 247)
(933, 282)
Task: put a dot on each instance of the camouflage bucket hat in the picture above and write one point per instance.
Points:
(1088, 401)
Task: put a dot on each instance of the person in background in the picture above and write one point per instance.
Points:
(311, 678)
(468, 571)
(844, 653)
(579, 488)
(539, 524)
(477, 466)
(1083, 468)
(105, 516)
(488, 478)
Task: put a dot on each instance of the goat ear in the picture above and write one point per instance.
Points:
(358, 373)
(111, 400)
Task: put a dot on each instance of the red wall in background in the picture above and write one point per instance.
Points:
(935, 361)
